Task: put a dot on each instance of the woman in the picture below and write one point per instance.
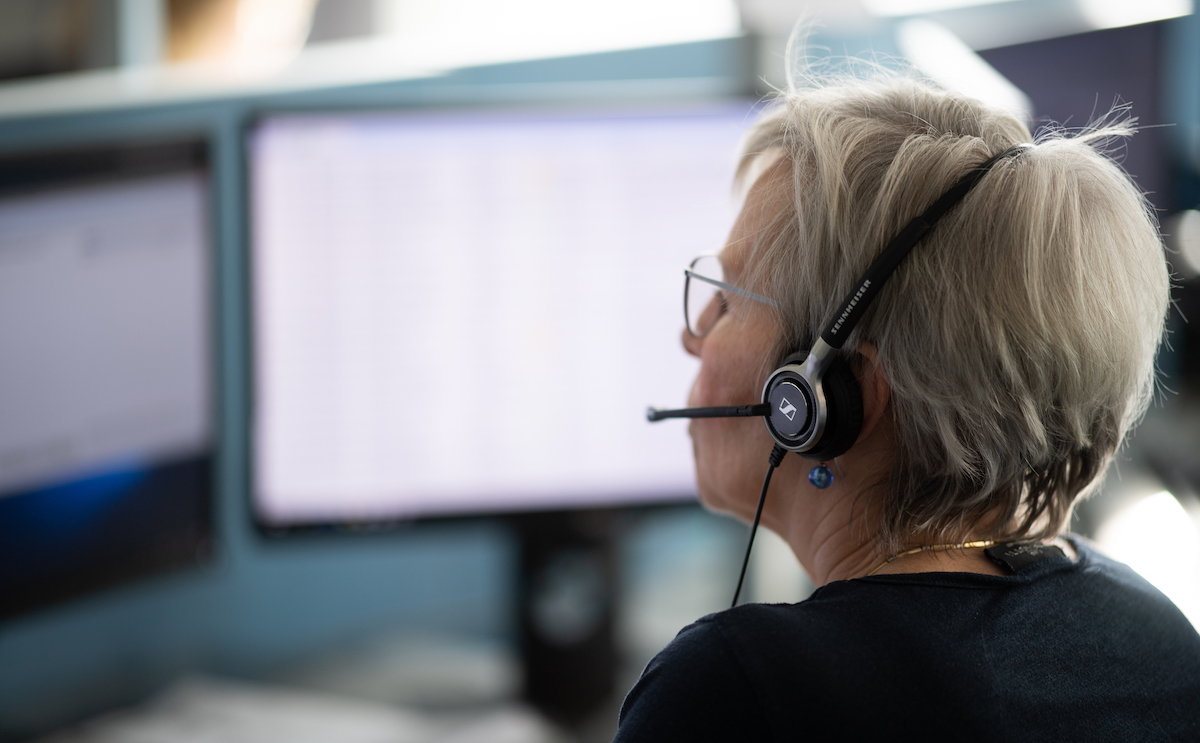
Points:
(999, 369)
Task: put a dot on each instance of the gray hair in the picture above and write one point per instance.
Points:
(1018, 337)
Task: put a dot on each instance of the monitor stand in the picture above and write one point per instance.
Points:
(567, 608)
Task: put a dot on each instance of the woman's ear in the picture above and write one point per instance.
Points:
(876, 392)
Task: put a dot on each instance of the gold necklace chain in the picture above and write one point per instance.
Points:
(933, 548)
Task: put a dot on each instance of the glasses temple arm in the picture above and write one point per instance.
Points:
(730, 287)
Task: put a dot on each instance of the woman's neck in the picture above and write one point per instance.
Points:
(829, 534)
(826, 529)
(830, 530)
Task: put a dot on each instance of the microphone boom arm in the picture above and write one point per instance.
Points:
(728, 411)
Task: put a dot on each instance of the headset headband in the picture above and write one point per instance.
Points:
(873, 279)
(804, 433)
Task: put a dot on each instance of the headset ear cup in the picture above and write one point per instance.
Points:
(843, 422)
(797, 358)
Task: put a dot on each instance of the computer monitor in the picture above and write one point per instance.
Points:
(467, 311)
(106, 436)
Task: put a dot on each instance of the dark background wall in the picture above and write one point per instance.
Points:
(1074, 81)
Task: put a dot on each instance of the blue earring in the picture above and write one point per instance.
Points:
(820, 476)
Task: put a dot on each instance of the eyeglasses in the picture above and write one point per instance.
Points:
(703, 299)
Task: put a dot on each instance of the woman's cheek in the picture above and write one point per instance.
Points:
(717, 446)
(712, 385)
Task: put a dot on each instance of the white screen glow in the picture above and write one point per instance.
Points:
(104, 328)
(471, 312)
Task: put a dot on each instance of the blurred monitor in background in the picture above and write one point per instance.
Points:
(463, 312)
(106, 436)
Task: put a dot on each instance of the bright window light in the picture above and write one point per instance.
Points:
(455, 32)
(1159, 539)
(945, 58)
(775, 574)
(891, 8)
(1114, 13)
(272, 26)
(1183, 237)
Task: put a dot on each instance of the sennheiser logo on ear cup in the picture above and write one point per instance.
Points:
(791, 409)
(787, 408)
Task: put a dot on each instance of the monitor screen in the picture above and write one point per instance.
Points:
(469, 311)
(105, 393)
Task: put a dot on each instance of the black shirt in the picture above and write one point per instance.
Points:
(1058, 650)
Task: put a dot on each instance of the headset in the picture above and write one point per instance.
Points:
(812, 403)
